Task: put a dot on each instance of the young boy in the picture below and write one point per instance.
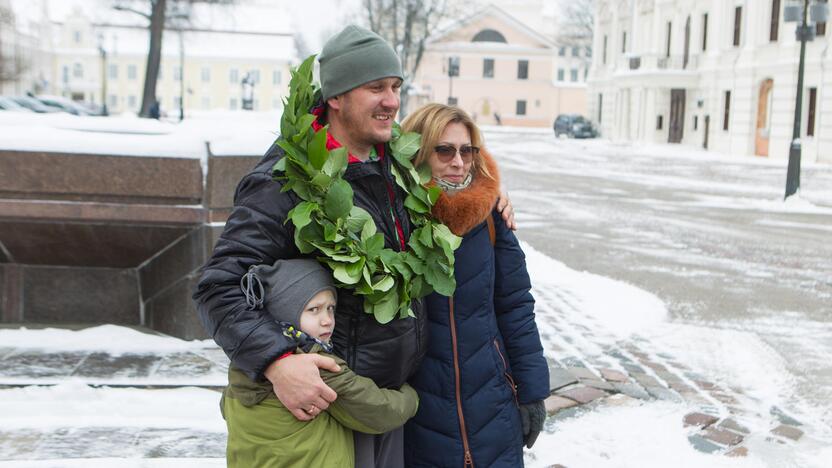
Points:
(300, 295)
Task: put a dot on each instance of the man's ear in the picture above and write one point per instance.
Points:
(334, 103)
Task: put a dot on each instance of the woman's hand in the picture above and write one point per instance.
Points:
(532, 416)
(505, 208)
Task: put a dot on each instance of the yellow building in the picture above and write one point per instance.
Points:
(94, 53)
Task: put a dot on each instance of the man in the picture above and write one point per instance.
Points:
(360, 81)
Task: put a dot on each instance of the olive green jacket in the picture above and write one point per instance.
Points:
(263, 433)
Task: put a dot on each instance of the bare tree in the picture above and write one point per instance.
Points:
(576, 23)
(11, 67)
(407, 25)
(160, 14)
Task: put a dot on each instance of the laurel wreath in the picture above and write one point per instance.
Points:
(343, 236)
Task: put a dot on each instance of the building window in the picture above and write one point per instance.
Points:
(624, 42)
(131, 72)
(232, 103)
(561, 74)
(177, 73)
(726, 113)
(667, 45)
(453, 66)
(113, 101)
(77, 70)
(77, 36)
(206, 74)
(573, 75)
(737, 25)
(576, 51)
(276, 104)
(276, 77)
(600, 107)
(452, 101)
(206, 103)
(255, 76)
(233, 76)
(810, 118)
(489, 35)
(604, 51)
(131, 101)
(820, 28)
(588, 52)
(705, 32)
(488, 68)
(65, 74)
(775, 21)
(522, 69)
(521, 107)
(177, 102)
(659, 122)
(562, 52)
(113, 68)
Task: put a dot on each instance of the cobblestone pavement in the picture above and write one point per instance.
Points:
(588, 370)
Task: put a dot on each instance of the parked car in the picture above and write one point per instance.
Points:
(64, 104)
(33, 104)
(8, 104)
(574, 126)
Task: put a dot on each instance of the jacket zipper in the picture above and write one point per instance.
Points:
(469, 460)
(391, 195)
(353, 341)
(509, 380)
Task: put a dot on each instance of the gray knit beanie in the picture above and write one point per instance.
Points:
(288, 285)
(353, 57)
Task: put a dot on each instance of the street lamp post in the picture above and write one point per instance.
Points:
(453, 70)
(805, 32)
(103, 53)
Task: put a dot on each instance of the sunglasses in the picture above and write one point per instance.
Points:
(448, 152)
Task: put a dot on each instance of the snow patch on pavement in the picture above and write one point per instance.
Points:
(622, 308)
(74, 404)
(114, 339)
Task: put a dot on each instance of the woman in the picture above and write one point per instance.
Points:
(483, 380)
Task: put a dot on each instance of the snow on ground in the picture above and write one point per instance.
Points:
(120, 462)
(228, 133)
(75, 404)
(114, 339)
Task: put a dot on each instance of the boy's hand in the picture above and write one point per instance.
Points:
(505, 208)
(298, 385)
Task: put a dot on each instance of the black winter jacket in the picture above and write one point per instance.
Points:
(255, 233)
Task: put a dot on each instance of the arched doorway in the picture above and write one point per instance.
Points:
(763, 118)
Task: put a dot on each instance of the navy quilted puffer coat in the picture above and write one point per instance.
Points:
(484, 355)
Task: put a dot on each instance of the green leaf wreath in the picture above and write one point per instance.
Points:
(343, 235)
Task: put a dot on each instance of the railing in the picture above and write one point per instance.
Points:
(635, 62)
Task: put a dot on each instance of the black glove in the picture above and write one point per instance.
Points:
(532, 416)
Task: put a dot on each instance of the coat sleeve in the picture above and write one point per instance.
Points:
(514, 306)
(255, 233)
(363, 406)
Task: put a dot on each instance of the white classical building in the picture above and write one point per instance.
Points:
(719, 74)
(205, 61)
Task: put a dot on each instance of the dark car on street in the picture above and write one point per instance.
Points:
(574, 126)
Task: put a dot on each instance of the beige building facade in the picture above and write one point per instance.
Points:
(709, 73)
(86, 56)
(508, 72)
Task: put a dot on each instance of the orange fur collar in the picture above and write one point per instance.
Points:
(469, 207)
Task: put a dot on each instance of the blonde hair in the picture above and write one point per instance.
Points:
(430, 121)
